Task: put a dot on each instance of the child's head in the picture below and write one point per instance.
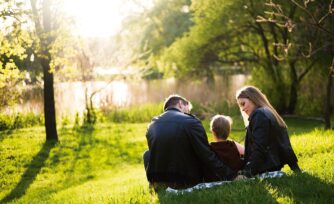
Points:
(220, 126)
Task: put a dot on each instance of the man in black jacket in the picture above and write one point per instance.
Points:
(179, 154)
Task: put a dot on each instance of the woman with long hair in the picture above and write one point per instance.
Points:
(267, 144)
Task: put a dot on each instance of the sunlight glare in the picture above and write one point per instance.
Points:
(120, 93)
(100, 18)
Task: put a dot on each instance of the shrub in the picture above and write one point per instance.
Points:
(20, 120)
(143, 113)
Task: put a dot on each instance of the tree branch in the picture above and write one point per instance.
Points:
(302, 75)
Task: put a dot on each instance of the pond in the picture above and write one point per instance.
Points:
(70, 96)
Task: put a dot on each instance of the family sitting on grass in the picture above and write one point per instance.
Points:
(180, 155)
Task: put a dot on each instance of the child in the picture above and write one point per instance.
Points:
(228, 151)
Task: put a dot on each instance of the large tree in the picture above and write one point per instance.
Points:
(315, 32)
(51, 40)
(43, 28)
(226, 35)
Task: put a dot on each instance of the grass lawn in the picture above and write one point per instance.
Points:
(104, 165)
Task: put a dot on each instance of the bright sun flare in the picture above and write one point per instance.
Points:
(100, 18)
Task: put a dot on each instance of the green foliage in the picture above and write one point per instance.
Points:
(13, 42)
(143, 113)
(65, 120)
(176, 59)
(134, 114)
(152, 73)
(10, 84)
(227, 36)
(89, 116)
(236, 36)
(226, 108)
(200, 110)
(207, 111)
(303, 45)
(215, 40)
(311, 97)
(19, 120)
(104, 165)
(260, 80)
(154, 29)
(167, 21)
(76, 121)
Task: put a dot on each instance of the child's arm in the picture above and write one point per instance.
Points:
(241, 148)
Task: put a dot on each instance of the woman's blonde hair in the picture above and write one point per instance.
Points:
(260, 100)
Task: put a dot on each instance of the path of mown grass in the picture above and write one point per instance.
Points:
(104, 165)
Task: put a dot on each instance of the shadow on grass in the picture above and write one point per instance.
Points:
(235, 192)
(82, 163)
(304, 188)
(86, 142)
(30, 174)
(297, 188)
(77, 172)
(299, 126)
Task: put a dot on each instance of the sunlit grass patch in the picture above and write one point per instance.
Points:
(79, 157)
(107, 186)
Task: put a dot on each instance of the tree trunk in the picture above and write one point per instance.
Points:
(293, 98)
(272, 69)
(43, 29)
(293, 89)
(49, 102)
(210, 78)
(328, 111)
(88, 114)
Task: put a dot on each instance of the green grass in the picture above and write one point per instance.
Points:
(104, 165)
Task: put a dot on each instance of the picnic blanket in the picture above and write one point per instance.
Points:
(273, 174)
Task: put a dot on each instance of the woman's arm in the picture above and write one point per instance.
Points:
(260, 130)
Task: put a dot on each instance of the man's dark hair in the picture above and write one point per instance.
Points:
(172, 100)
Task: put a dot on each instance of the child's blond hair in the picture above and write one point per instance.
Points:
(221, 126)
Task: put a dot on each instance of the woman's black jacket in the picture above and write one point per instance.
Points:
(267, 145)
